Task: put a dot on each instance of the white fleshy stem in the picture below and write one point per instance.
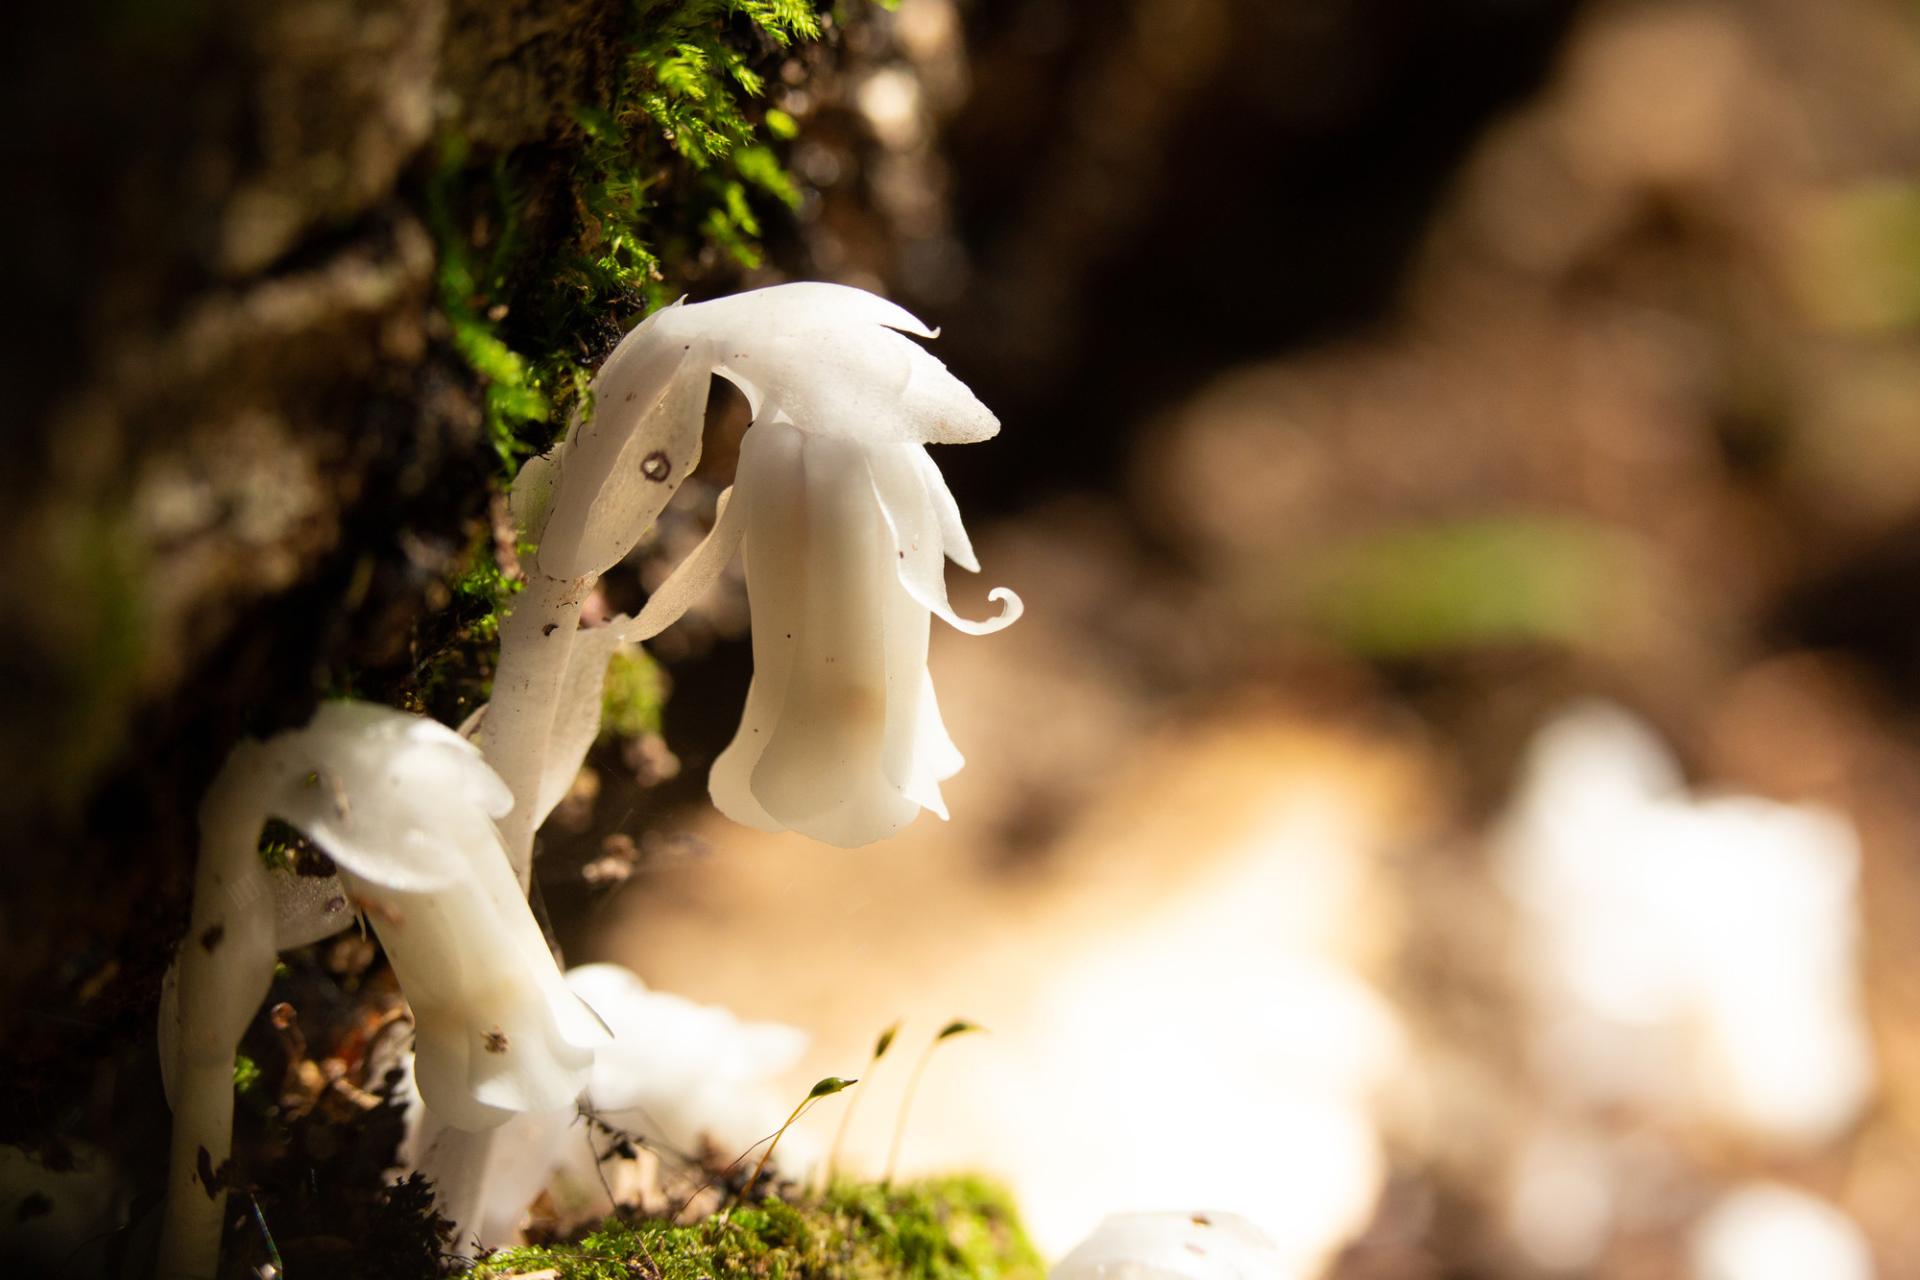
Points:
(457, 1162)
(226, 966)
(536, 639)
(594, 505)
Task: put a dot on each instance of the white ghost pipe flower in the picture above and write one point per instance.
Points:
(406, 809)
(847, 526)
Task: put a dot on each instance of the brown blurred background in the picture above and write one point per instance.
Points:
(1380, 381)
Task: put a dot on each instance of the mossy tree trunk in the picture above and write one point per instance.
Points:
(300, 281)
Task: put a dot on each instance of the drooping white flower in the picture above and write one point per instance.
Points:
(846, 526)
(1694, 951)
(1769, 1231)
(406, 809)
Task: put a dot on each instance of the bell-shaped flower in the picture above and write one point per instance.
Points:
(845, 524)
(405, 808)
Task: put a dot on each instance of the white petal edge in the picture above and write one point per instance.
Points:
(769, 489)
(912, 518)
(953, 532)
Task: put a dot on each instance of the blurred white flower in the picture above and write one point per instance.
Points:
(846, 527)
(1696, 952)
(1174, 1246)
(1765, 1231)
(676, 1075)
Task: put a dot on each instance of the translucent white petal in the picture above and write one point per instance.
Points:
(833, 360)
(910, 753)
(496, 1028)
(770, 498)
(440, 1055)
(938, 408)
(847, 382)
(935, 758)
(917, 744)
(692, 577)
(803, 306)
(408, 823)
(914, 524)
(822, 774)
(953, 533)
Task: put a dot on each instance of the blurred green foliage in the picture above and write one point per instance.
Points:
(1456, 585)
(634, 695)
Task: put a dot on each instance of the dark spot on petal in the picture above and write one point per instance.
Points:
(203, 1165)
(549, 629)
(32, 1205)
(495, 1041)
(903, 555)
(1202, 1220)
(632, 396)
(655, 466)
(211, 938)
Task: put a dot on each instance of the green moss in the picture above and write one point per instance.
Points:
(1457, 585)
(950, 1229)
(549, 250)
(634, 695)
(549, 253)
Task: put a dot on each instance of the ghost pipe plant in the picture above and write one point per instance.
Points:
(845, 524)
(406, 809)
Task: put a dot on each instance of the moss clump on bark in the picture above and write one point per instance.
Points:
(958, 1228)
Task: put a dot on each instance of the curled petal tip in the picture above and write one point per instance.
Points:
(1011, 607)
